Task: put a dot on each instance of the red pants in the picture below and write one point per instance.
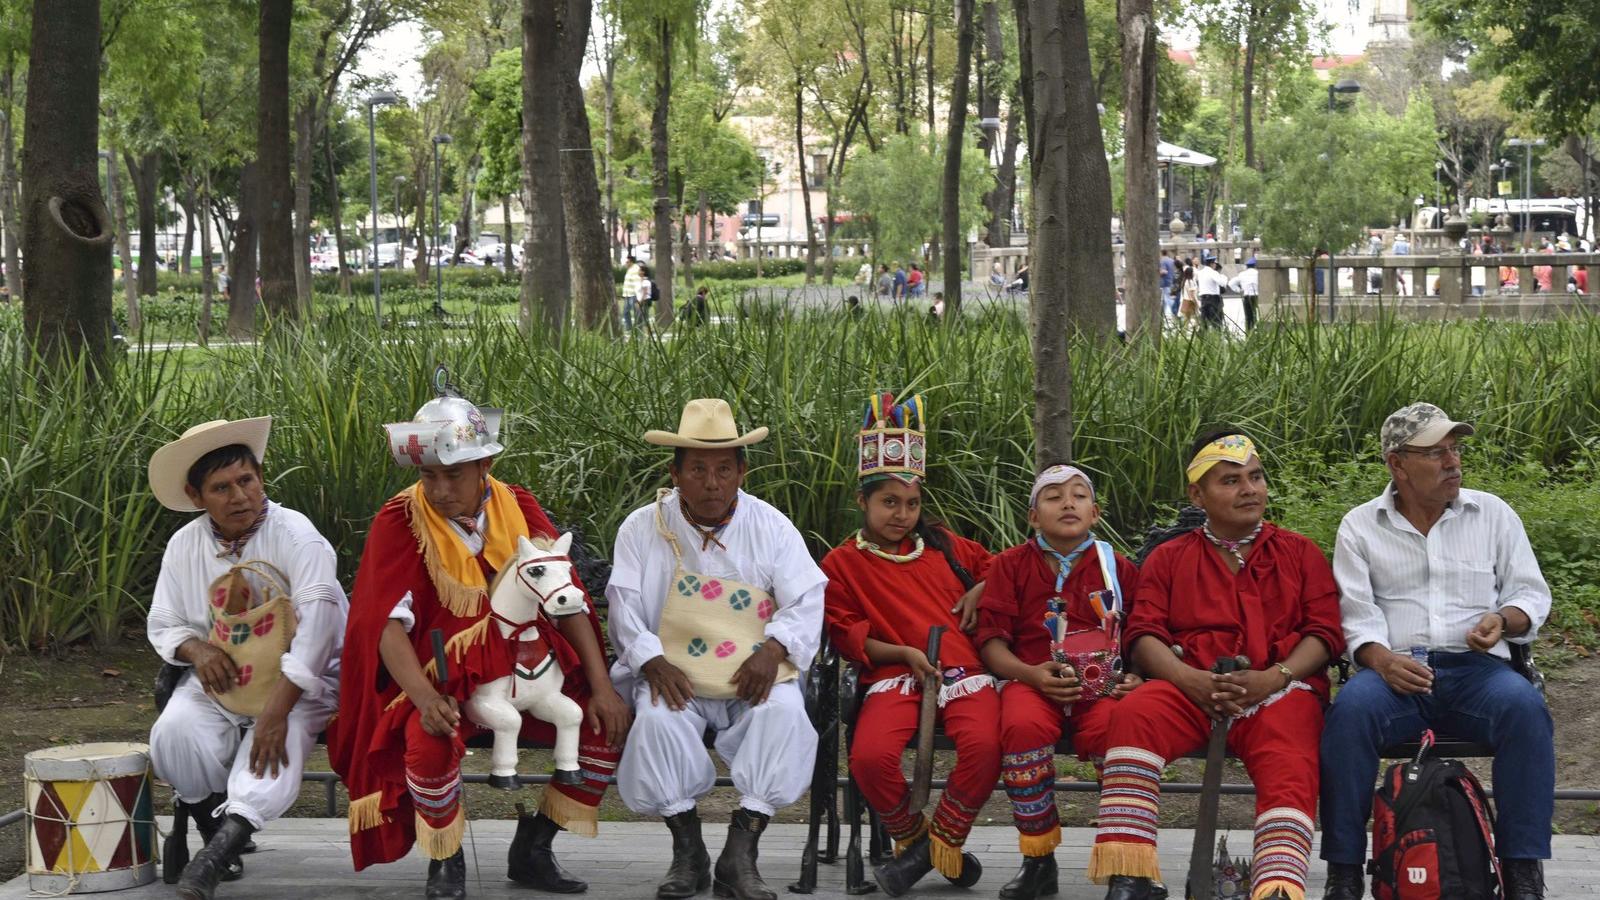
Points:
(1030, 726)
(1278, 745)
(887, 721)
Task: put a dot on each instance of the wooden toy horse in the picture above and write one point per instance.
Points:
(538, 576)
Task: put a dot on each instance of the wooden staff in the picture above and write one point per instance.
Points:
(1202, 884)
(922, 771)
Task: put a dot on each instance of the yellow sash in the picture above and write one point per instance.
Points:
(455, 573)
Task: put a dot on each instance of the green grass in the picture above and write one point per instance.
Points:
(84, 537)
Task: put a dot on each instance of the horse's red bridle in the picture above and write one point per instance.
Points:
(518, 627)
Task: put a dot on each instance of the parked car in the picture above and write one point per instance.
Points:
(495, 255)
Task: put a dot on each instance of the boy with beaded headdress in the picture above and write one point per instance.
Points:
(419, 643)
(1237, 586)
(900, 575)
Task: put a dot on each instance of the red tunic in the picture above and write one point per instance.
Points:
(1285, 593)
(898, 603)
(1018, 594)
(366, 739)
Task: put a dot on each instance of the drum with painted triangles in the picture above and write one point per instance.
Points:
(91, 820)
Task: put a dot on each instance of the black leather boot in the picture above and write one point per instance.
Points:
(690, 872)
(1036, 878)
(1524, 879)
(1126, 887)
(175, 846)
(447, 878)
(897, 875)
(200, 877)
(533, 861)
(735, 874)
(971, 871)
(1345, 882)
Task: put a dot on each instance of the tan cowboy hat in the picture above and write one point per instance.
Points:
(706, 424)
(169, 466)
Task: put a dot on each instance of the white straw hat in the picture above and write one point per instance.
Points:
(170, 465)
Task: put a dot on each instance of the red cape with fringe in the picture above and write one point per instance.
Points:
(366, 739)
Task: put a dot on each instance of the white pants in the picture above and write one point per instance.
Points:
(770, 750)
(201, 749)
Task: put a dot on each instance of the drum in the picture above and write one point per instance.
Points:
(91, 820)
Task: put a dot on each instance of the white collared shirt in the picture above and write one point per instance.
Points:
(1209, 281)
(764, 550)
(1399, 588)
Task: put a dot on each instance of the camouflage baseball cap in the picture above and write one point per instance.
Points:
(1419, 425)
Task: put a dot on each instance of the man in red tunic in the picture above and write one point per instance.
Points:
(399, 736)
(1238, 586)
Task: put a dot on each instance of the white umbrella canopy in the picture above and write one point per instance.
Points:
(1182, 156)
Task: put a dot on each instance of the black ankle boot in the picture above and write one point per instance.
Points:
(736, 875)
(1036, 878)
(447, 878)
(175, 846)
(690, 872)
(200, 877)
(971, 871)
(1345, 882)
(1524, 879)
(897, 875)
(533, 861)
(1126, 887)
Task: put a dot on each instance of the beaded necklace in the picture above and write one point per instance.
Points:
(1232, 547)
(916, 551)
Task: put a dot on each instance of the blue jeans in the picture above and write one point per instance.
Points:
(627, 314)
(1476, 697)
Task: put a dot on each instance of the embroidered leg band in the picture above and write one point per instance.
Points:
(577, 807)
(1030, 780)
(440, 817)
(903, 823)
(1130, 799)
(1282, 853)
(952, 821)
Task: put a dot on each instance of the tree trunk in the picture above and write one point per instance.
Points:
(1141, 224)
(662, 237)
(989, 95)
(609, 82)
(932, 5)
(242, 264)
(1005, 192)
(950, 196)
(588, 250)
(130, 287)
(1092, 286)
(8, 178)
(1249, 92)
(207, 277)
(276, 188)
(545, 284)
(145, 173)
(304, 119)
(508, 260)
(187, 204)
(805, 185)
(705, 223)
(1049, 145)
(66, 229)
(466, 234)
(345, 285)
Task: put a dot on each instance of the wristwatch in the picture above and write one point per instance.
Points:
(1288, 675)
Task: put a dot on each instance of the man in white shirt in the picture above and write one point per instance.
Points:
(1434, 580)
(231, 772)
(1209, 285)
(706, 545)
(1248, 284)
(631, 278)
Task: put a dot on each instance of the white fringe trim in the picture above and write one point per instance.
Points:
(966, 686)
(1274, 698)
(905, 684)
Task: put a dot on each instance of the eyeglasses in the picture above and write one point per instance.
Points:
(1434, 454)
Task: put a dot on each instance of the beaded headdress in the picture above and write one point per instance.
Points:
(893, 442)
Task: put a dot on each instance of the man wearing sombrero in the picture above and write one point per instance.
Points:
(249, 600)
(715, 607)
(419, 643)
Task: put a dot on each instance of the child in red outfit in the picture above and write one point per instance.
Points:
(888, 586)
(1059, 575)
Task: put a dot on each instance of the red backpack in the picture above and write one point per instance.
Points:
(1432, 833)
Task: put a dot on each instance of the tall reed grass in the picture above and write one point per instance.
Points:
(82, 538)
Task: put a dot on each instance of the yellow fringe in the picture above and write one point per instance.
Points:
(463, 601)
(1268, 888)
(455, 649)
(1124, 858)
(441, 843)
(365, 812)
(900, 844)
(398, 699)
(570, 814)
(946, 858)
(1040, 844)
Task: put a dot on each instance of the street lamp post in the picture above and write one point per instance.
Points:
(380, 98)
(1438, 192)
(1527, 180)
(1343, 86)
(438, 260)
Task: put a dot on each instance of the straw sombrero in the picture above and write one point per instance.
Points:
(169, 466)
(706, 424)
